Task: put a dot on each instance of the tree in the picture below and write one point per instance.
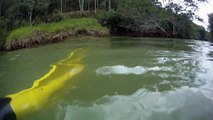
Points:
(42, 8)
(61, 6)
(183, 6)
(31, 4)
(211, 25)
(2, 32)
(14, 14)
(179, 25)
(88, 5)
(109, 5)
(145, 13)
(95, 6)
(180, 12)
(81, 6)
(200, 33)
(1, 3)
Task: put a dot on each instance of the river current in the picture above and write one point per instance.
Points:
(123, 79)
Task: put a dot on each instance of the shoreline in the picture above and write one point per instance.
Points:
(26, 37)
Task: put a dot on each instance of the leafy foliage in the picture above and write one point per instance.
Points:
(116, 22)
(149, 18)
(2, 33)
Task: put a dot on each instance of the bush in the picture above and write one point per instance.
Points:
(3, 33)
(55, 17)
(117, 23)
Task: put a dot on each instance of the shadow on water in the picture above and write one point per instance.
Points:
(148, 42)
(2, 53)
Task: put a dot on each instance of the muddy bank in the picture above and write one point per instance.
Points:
(40, 38)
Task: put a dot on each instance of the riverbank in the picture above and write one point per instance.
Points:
(54, 32)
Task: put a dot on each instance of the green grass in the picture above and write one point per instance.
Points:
(23, 33)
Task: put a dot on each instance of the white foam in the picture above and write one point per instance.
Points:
(121, 69)
(125, 70)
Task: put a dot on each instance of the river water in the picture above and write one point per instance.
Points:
(123, 79)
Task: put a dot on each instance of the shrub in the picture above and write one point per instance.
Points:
(117, 23)
(3, 33)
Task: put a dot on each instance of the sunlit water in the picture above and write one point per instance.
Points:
(123, 79)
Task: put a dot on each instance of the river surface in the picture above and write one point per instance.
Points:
(123, 79)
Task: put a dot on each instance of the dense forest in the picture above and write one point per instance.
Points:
(149, 18)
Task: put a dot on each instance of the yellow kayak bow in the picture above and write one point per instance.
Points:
(16, 106)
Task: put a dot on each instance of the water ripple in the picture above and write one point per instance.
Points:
(145, 105)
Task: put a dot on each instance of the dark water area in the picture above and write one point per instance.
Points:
(123, 79)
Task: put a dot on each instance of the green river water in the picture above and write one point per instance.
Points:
(124, 79)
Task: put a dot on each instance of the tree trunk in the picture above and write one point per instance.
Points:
(65, 5)
(79, 1)
(30, 16)
(95, 6)
(88, 5)
(45, 16)
(174, 31)
(81, 6)
(61, 6)
(109, 5)
(1, 2)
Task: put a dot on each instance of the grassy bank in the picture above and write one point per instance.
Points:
(53, 32)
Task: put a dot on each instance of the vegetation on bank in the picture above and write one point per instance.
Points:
(149, 18)
(156, 21)
(53, 32)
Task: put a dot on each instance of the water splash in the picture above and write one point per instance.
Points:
(124, 70)
(120, 69)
